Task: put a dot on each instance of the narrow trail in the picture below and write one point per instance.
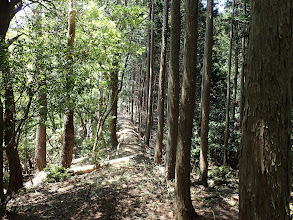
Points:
(132, 189)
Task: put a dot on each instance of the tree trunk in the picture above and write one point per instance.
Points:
(243, 68)
(151, 85)
(265, 163)
(205, 96)
(114, 101)
(236, 72)
(173, 90)
(68, 142)
(226, 138)
(40, 148)
(2, 196)
(183, 205)
(161, 108)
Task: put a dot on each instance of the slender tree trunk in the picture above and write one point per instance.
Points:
(140, 99)
(183, 205)
(236, 72)
(148, 73)
(68, 142)
(161, 107)
(226, 138)
(173, 90)
(265, 162)
(2, 196)
(205, 96)
(113, 114)
(243, 68)
(40, 148)
(151, 86)
(132, 92)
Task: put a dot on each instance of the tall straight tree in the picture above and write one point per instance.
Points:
(243, 67)
(8, 9)
(173, 90)
(205, 94)
(40, 148)
(114, 102)
(183, 205)
(68, 142)
(161, 108)
(151, 84)
(264, 184)
(226, 135)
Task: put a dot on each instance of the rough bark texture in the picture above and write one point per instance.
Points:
(205, 96)
(265, 163)
(151, 85)
(226, 135)
(40, 148)
(68, 141)
(173, 90)
(2, 197)
(114, 102)
(183, 205)
(161, 108)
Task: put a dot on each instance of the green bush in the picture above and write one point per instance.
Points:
(57, 174)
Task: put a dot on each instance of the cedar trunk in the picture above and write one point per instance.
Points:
(227, 121)
(113, 114)
(68, 142)
(264, 184)
(183, 205)
(161, 108)
(205, 96)
(151, 85)
(173, 90)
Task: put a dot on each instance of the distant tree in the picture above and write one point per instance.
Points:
(244, 63)
(205, 93)
(265, 164)
(183, 205)
(226, 134)
(161, 99)
(68, 142)
(173, 90)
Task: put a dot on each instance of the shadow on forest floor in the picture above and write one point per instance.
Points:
(133, 190)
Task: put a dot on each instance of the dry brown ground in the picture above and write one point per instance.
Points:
(130, 190)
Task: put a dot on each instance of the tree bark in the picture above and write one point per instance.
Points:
(173, 90)
(68, 142)
(236, 72)
(183, 205)
(205, 96)
(226, 135)
(151, 85)
(161, 107)
(244, 66)
(40, 148)
(265, 163)
(114, 101)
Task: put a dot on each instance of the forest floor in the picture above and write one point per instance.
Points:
(132, 188)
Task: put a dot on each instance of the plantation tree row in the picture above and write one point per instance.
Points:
(199, 84)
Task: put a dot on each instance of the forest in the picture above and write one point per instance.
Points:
(146, 109)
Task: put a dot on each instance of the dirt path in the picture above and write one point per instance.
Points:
(133, 189)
